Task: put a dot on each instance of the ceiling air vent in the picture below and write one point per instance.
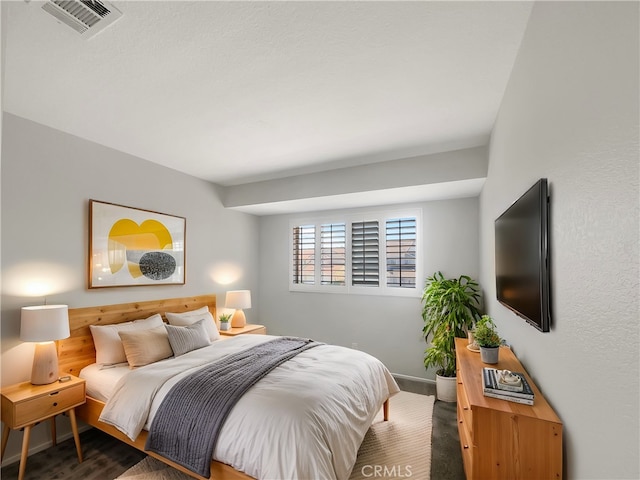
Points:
(87, 17)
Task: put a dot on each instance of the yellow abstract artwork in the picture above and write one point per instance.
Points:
(143, 241)
(128, 241)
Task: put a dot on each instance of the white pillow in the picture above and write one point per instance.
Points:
(143, 347)
(109, 349)
(193, 316)
(185, 339)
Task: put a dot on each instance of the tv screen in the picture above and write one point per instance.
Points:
(522, 257)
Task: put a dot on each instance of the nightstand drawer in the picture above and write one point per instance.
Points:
(38, 408)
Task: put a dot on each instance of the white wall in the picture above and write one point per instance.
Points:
(47, 179)
(459, 166)
(570, 113)
(389, 328)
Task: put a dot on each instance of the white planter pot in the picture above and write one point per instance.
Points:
(489, 354)
(446, 388)
(225, 326)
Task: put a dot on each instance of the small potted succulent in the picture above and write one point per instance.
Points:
(225, 319)
(487, 338)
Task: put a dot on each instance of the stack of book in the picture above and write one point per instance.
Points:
(506, 385)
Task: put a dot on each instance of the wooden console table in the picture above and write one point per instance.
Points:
(501, 439)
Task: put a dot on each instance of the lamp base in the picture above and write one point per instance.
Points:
(45, 364)
(238, 319)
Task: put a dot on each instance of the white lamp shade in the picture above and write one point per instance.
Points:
(44, 323)
(238, 299)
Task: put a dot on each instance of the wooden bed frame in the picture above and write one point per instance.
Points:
(78, 351)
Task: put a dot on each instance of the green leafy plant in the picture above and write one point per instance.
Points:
(486, 333)
(225, 317)
(450, 308)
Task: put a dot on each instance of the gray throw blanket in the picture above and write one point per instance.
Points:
(188, 422)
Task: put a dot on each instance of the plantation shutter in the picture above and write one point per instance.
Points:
(304, 254)
(332, 253)
(401, 252)
(365, 254)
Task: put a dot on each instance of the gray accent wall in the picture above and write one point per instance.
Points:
(570, 113)
(48, 178)
(389, 328)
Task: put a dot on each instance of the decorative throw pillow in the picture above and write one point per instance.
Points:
(108, 345)
(185, 339)
(193, 316)
(143, 347)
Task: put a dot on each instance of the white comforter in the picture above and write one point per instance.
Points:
(304, 420)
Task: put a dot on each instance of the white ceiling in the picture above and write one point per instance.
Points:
(234, 92)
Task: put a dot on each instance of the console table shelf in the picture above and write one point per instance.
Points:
(501, 439)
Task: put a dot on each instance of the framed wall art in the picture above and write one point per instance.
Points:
(131, 247)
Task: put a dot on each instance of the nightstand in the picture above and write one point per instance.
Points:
(24, 405)
(248, 328)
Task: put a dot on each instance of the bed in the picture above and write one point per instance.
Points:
(243, 448)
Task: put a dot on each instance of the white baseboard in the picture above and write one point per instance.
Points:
(414, 379)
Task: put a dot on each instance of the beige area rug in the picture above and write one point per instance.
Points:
(399, 448)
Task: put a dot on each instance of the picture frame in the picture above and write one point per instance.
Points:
(134, 247)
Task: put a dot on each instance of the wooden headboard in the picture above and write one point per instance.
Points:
(78, 351)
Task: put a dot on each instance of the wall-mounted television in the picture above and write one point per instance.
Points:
(523, 282)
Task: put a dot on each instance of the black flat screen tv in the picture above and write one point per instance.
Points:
(523, 281)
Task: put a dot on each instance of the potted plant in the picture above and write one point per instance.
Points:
(450, 307)
(225, 318)
(487, 338)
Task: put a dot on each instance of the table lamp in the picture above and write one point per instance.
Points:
(238, 299)
(44, 324)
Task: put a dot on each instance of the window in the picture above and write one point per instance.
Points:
(304, 254)
(365, 254)
(373, 253)
(401, 252)
(332, 253)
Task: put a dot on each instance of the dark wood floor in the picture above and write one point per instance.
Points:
(105, 458)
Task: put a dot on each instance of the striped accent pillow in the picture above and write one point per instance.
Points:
(187, 318)
(185, 339)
